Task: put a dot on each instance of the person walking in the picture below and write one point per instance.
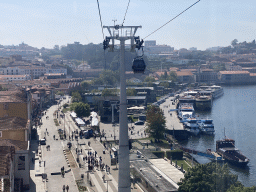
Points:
(63, 187)
(67, 188)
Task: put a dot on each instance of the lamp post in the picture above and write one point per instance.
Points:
(107, 182)
(69, 129)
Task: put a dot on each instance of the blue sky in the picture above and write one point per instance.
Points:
(45, 23)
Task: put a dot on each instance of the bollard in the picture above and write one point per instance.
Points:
(176, 163)
(171, 160)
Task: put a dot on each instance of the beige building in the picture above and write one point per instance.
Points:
(14, 128)
(234, 77)
(185, 76)
(207, 75)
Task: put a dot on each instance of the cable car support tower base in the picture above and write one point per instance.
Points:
(124, 184)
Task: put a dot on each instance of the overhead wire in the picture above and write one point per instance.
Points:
(102, 32)
(100, 19)
(172, 19)
(126, 11)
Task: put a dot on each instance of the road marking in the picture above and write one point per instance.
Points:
(96, 183)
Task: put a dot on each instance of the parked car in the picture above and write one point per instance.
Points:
(139, 123)
(42, 142)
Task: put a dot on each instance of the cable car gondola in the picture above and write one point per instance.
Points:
(138, 65)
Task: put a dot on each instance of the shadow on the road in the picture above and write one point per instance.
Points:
(33, 151)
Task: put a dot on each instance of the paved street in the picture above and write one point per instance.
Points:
(54, 159)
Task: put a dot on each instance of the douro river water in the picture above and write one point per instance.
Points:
(236, 112)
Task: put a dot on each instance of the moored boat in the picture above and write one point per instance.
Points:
(207, 127)
(204, 102)
(226, 148)
(192, 126)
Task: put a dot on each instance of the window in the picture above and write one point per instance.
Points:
(21, 163)
(5, 106)
(0, 133)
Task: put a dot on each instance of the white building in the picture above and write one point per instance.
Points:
(33, 71)
(15, 77)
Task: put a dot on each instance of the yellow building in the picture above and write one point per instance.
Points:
(14, 104)
(14, 128)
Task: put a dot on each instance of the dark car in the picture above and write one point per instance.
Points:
(139, 123)
(42, 142)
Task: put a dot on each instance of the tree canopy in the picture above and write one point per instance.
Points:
(156, 122)
(76, 97)
(208, 177)
(109, 92)
(81, 109)
(85, 85)
(149, 79)
(131, 92)
(107, 77)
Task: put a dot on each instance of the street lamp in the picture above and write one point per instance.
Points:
(107, 182)
(69, 129)
(113, 125)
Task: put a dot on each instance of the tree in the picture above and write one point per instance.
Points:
(107, 77)
(208, 177)
(234, 42)
(156, 122)
(81, 109)
(164, 84)
(241, 188)
(76, 97)
(109, 92)
(85, 85)
(173, 76)
(149, 79)
(59, 93)
(131, 92)
(164, 76)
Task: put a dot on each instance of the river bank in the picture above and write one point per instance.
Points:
(235, 111)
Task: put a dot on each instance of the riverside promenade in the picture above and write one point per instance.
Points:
(172, 120)
(51, 161)
(173, 125)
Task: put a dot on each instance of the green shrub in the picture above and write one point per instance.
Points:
(175, 154)
(65, 105)
(159, 154)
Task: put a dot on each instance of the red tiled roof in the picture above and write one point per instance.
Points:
(234, 72)
(184, 73)
(12, 96)
(18, 145)
(13, 123)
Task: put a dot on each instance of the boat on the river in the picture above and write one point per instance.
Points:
(226, 148)
(216, 91)
(207, 127)
(192, 126)
(185, 110)
(203, 102)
